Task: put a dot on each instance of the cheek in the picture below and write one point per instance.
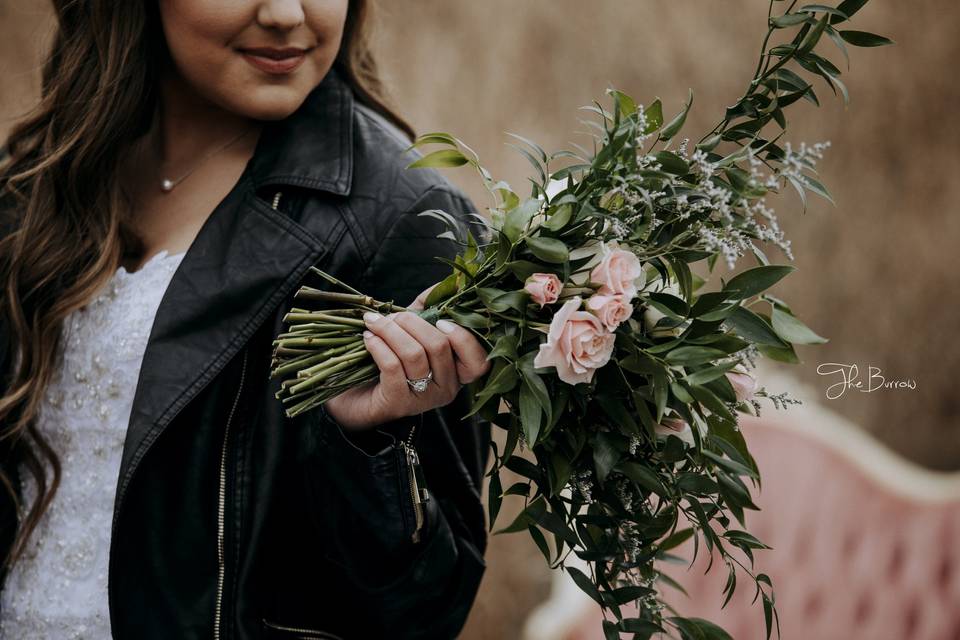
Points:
(198, 33)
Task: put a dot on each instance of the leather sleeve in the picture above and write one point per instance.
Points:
(423, 589)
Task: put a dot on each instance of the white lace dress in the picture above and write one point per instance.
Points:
(59, 588)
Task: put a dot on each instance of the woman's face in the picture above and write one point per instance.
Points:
(258, 59)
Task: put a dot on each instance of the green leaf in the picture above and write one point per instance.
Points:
(500, 382)
(706, 397)
(710, 143)
(506, 347)
(756, 280)
(446, 288)
(469, 318)
(660, 389)
(435, 137)
(548, 249)
(676, 123)
(439, 159)
(699, 629)
(692, 355)
(848, 8)
(814, 36)
(748, 325)
(619, 415)
(813, 185)
(495, 494)
(780, 354)
(523, 269)
(788, 20)
(793, 330)
(710, 373)
(606, 453)
(530, 515)
(518, 218)
(672, 163)
(559, 219)
(654, 116)
(529, 414)
(864, 38)
(585, 584)
(669, 304)
(533, 145)
(643, 629)
(675, 540)
(742, 538)
(644, 477)
(541, 542)
(525, 468)
(627, 104)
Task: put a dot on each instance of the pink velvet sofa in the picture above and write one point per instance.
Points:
(865, 544)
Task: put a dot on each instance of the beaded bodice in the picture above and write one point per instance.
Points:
(59, 588)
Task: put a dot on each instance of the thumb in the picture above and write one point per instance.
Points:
(421, 300)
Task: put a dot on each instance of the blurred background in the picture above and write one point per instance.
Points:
(876, 273)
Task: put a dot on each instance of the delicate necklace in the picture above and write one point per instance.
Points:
(167, 184)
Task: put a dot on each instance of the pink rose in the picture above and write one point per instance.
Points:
(577, 344)
(744, 385)
(611, 309)
(677, 427)
(617, 273)
(544, 288)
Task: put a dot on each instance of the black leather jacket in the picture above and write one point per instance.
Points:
(232, 521)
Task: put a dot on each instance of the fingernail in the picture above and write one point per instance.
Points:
(371, 316)
(446, 326)
(367, 335)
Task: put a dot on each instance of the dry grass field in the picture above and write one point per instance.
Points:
(876, 273)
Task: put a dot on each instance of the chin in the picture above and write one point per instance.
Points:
(270, 103)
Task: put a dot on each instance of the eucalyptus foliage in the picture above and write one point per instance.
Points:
(600, 479)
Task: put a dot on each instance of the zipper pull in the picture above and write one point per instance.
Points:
(418, 490)
(276, 200)
(416, 480)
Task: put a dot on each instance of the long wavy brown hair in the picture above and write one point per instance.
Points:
(99, 94)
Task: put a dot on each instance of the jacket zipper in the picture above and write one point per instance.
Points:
(221, 504)
(415, 474)
(307, 633)
(417, 494)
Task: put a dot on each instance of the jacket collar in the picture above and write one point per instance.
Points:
(312, 147)
(246, 260)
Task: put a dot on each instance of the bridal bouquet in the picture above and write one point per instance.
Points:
(612, 362)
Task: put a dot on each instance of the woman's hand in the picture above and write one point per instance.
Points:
(404, 345)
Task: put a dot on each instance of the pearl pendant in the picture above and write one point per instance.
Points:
(166, 185)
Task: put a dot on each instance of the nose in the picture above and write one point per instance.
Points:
(281, 14)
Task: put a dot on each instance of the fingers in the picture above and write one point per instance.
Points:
(437, 348)
(391, 369)
(421, 349)
(411, 353)
(471, 357)
(405, 346)
(421, 301)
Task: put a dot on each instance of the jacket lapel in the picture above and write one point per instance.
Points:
(246, 259)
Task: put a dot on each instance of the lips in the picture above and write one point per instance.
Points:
(275, 60)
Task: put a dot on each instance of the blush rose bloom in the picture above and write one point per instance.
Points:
(611, 309)
(544, 288)
(617, 273)
(744, 385)
(577, 344)
(677, 427)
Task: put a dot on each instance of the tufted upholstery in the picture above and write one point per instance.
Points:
(866, 545)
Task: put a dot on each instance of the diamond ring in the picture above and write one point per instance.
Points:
(420, 384)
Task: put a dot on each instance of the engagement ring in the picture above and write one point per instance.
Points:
(420, 384)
